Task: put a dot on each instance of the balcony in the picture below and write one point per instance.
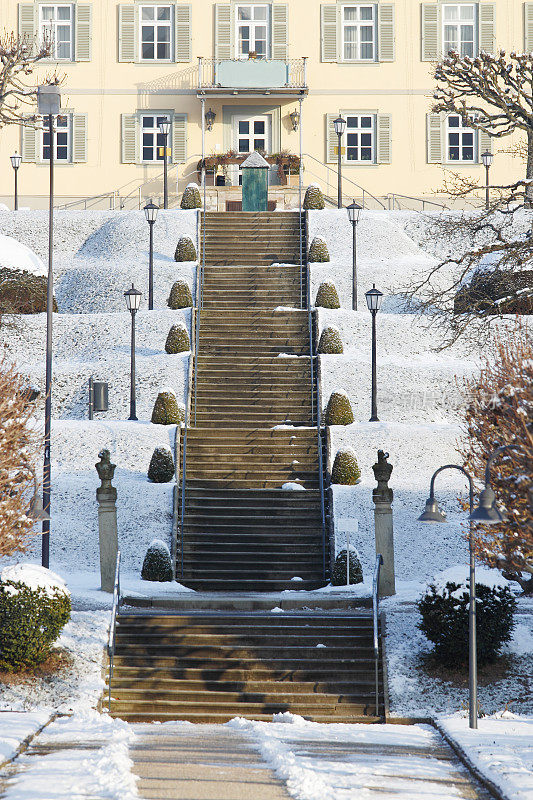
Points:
(258, 77)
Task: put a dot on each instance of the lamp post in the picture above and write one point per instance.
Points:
(164, 129)
(339, 125)
(48, 104)
(133, 301)
(374, 299)
(15, 163)
(487, 159)
(151, 211)
(354, 211)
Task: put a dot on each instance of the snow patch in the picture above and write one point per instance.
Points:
(34, 577)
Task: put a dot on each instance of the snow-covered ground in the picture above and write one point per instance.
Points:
(16, 728)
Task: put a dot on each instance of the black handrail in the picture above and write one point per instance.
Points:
(113, 626)
(375, 619)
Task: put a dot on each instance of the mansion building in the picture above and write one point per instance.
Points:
(241, 76)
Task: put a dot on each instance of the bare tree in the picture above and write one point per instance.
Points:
(18, 57)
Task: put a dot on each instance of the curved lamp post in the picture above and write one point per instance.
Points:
(354, 212)
(15, 163)
(374, 298)
(339, 125)
(487, 159)
(164, 129)
(150, 212)
(133, 302)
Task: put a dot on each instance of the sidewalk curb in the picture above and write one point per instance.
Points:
(25, 743)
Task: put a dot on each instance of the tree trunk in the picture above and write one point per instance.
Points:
(528, 199)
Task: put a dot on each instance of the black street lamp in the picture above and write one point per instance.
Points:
(374, 299)
(15, 163)
(354, 211)
(487, 159)
(339, 125)
(133, 301)
(151, 211)
(48, 105)
(164, 129)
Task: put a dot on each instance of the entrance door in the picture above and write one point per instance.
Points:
(249, 134)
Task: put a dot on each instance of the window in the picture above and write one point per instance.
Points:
(459, 28)
(359, 33)
(460, 140)
(360, 138)
(151, 137)
(62, 139)
(253, 31)
(156, 33)
(55, 26)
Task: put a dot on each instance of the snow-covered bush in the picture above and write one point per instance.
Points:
(330, 342)
(191, 197)
(177, 339)
(161, 469)
(496, 291)
(318, 252)
(314, 199)
(340, 568)
(444, 610)
(157, 564)
(180, 296)
(167, 411)
(339, 410)
(34, 607)
(345, 469)
(327, 296)
(185, 250)
(22, 292)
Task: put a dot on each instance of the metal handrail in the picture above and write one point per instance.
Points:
(365, 192)
(113, 626)
(375, 620)
(391, 198)
(112, 195)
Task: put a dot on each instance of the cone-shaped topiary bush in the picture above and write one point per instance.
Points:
(345, 468)
(180, 296)
(330, 341)
(157, 564)
(339, 410)
(161, 469)
(327, 296)
(166, 409)
(185, 250)
(191, 197)
(318, 252)
(314, 199)
(177, 339)
(355, 571)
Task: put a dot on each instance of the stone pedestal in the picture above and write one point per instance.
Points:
(106, 496)
(383, 497)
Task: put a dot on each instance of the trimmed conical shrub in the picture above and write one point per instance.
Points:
(330, 341)
(185, 250)
(180, 296)
(161, 469)
(327, 296)
(157, 564)
(178, 339)
(166, 409)
(191, 197)
(339, 410)
(345, 470)
(355, 571)
(314, 199)
(318, 252)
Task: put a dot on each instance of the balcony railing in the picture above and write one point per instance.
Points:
(252, 73)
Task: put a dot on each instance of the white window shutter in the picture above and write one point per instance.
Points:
(223, 31)
(329, 32)
(487, 14)
(383, 149)
(434, 138)
(130, 139)
(430, 32)
(83, 18)
(485, 144)
(386, 32)
(79, 138)
(27, 22)
(127, 32)
(280, 31)
(29, 143)
(332, 140)
(528, 27)
(179, 138)
(183, 18)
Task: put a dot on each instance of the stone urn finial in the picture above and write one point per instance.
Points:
(105, 469)
(382, 472)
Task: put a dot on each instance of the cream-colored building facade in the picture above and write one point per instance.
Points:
(130, 65)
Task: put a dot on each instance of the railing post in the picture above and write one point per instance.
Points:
(200, 71)
(305, 71)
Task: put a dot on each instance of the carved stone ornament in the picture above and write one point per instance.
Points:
(382, 472)
(105, 469)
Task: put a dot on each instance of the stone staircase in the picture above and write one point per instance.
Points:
(236, 238)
